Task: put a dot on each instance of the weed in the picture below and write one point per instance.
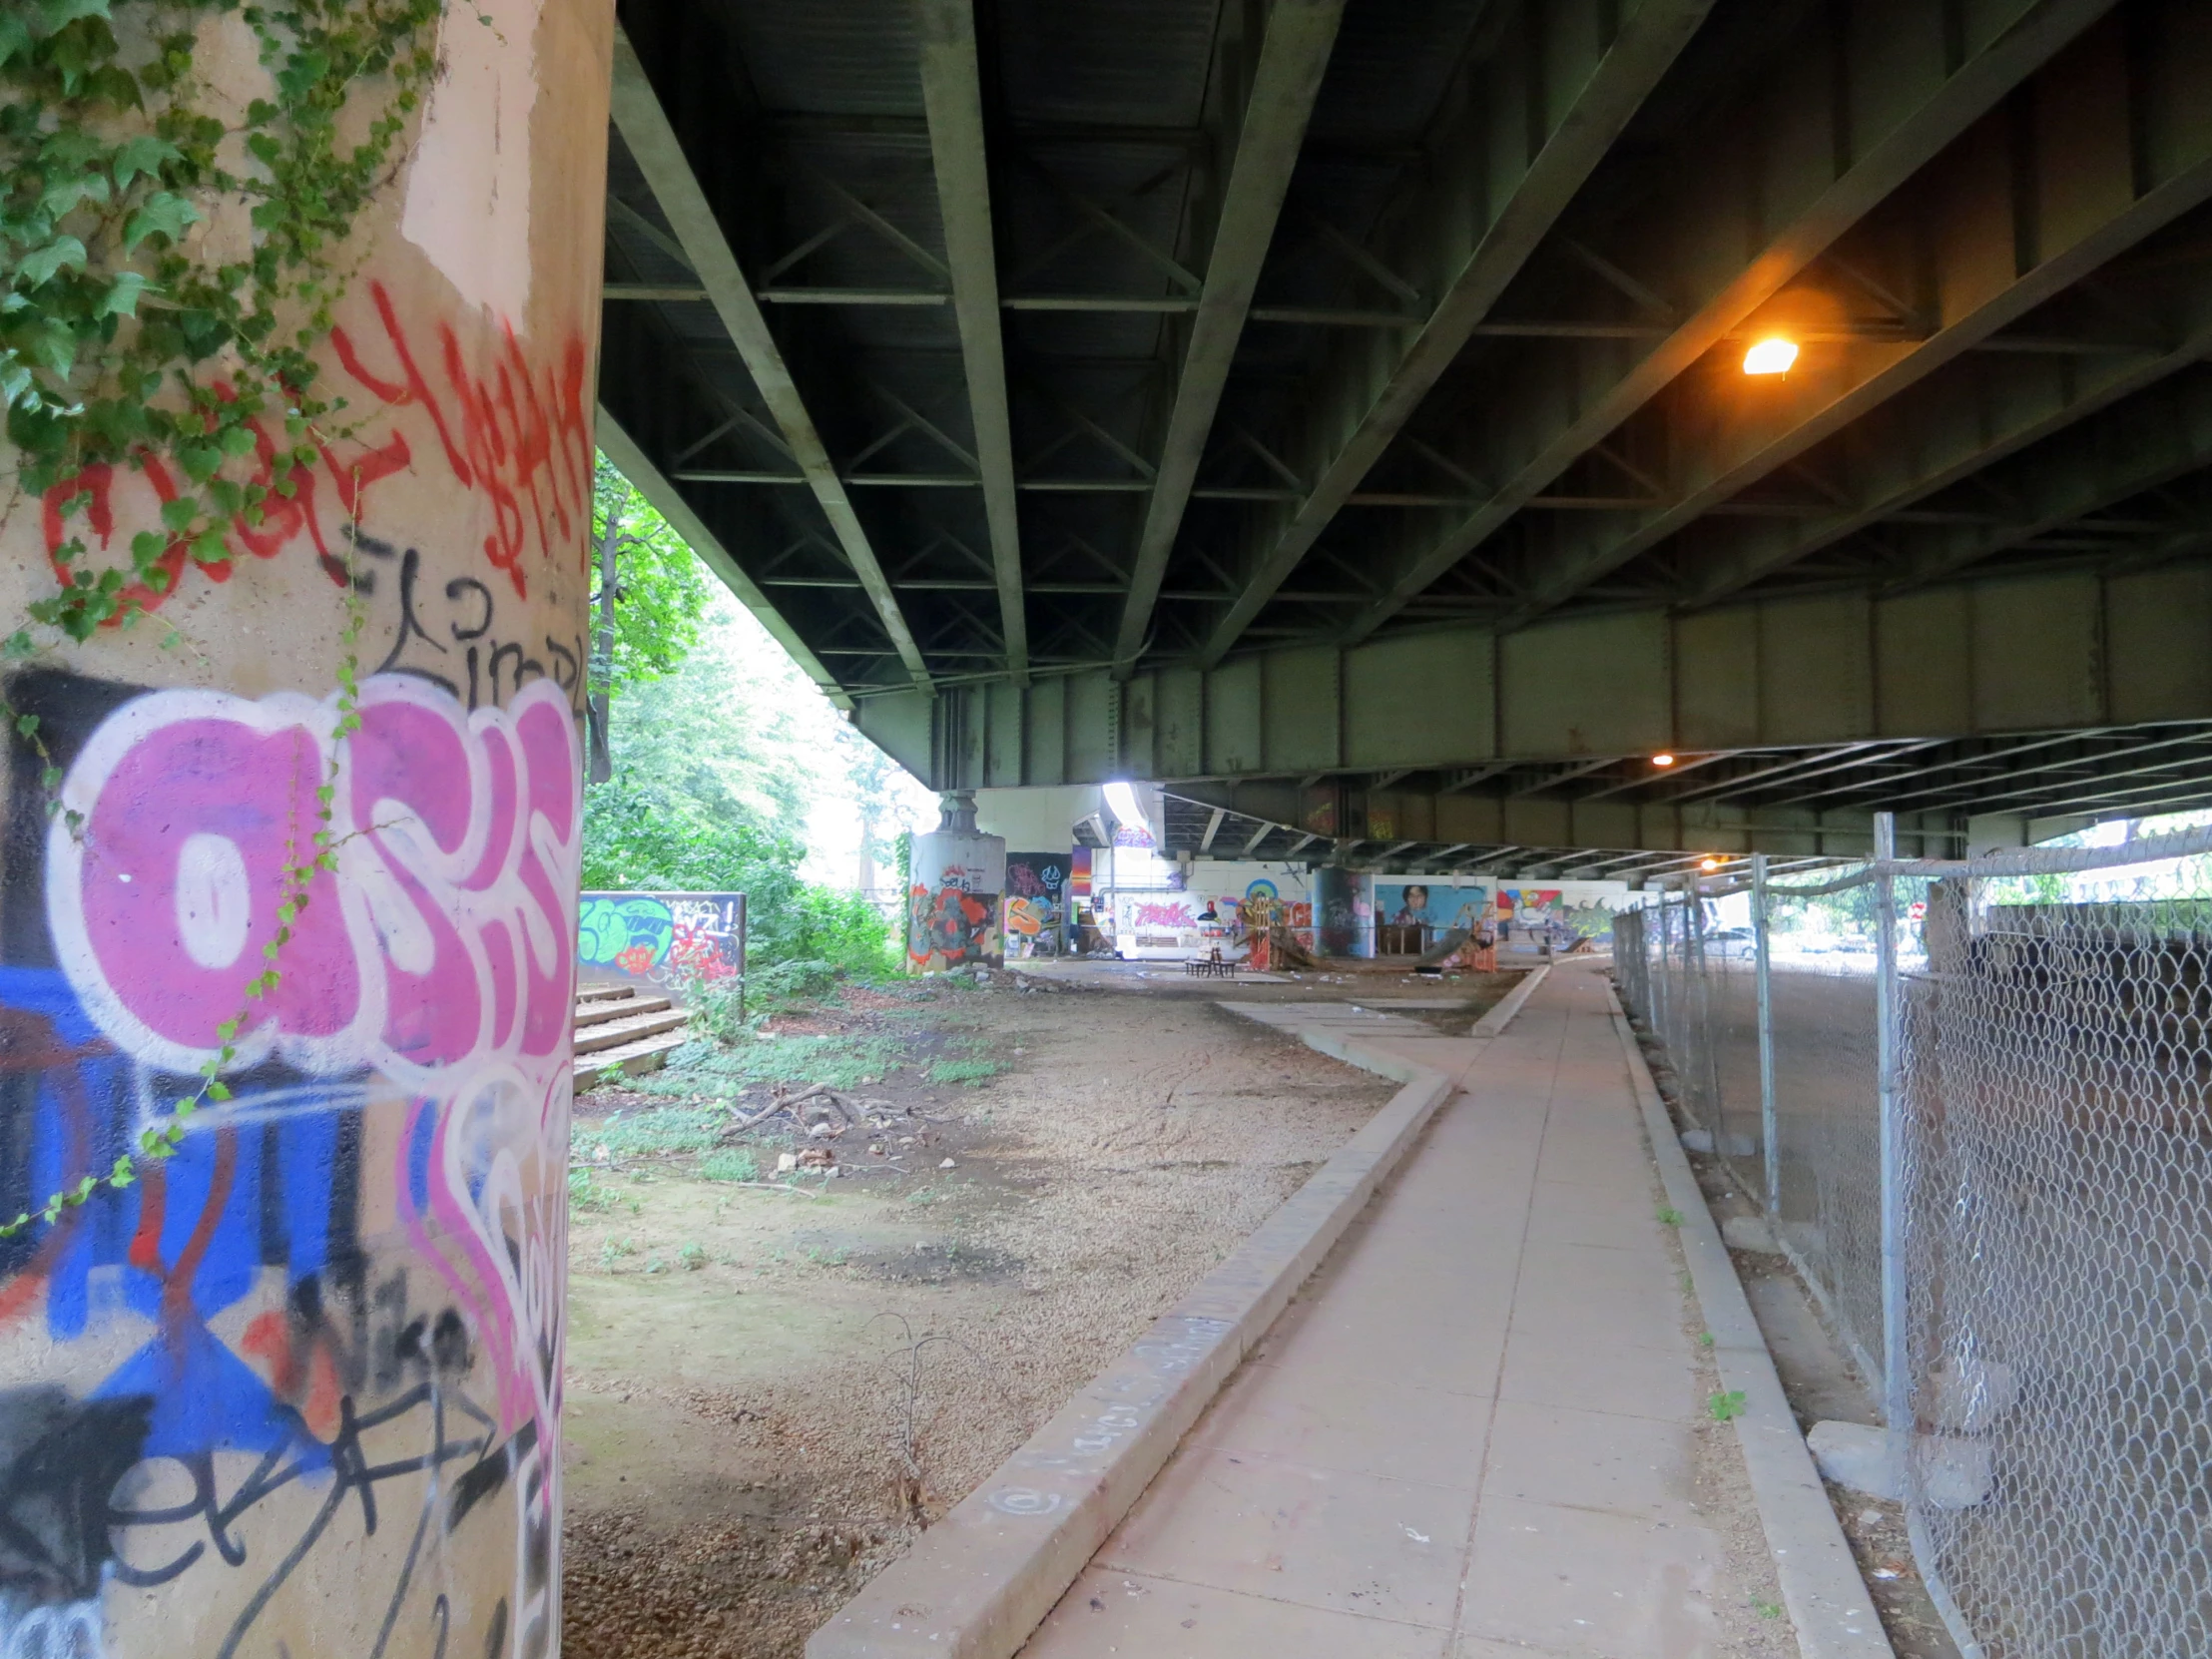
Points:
(1727, 1406)
(637, 1206)
(613, 1250)
(652, 1264)
(826, 1257)
(844, 1062)
(586, 1195)
(1705, 1339)
(692, 1255)
(1669, 1216)
(726, 1165)
(1767, 1609)
(921, 1196)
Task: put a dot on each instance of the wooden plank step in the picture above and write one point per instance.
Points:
(615, 1033)
(598, 1013)
(604, 993)
(629, 1060)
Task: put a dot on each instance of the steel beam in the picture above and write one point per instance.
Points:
(952, 92)
(2112, 142)
(1292, 56)
(1870, 93)
(1563, 80)
(2148, 441)
(653, 145)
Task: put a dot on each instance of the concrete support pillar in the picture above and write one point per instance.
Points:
(953, 888)
(294, 1387)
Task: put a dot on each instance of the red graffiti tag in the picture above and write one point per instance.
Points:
(518, 434)
(519, 438)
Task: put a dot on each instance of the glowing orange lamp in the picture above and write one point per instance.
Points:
(1771, 356)
(1662, 760)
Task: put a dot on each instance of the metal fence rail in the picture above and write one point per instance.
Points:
(1976, 1104)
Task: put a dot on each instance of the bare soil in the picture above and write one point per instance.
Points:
(771, 1391)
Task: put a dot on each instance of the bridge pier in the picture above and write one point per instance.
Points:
(283, 1361)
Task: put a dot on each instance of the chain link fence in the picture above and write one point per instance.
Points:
(1976, 1104)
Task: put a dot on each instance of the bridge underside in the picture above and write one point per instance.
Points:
(1337, 412)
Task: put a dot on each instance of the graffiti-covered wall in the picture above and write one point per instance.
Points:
(665, 940)
(282, 1375)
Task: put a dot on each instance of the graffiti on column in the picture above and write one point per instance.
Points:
(669, 939)
(325, 1335)
(948, 926)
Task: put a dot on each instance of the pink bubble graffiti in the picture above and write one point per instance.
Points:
(444, 935)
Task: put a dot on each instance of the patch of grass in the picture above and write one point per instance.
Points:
(826, 1257)
(1668, 1216)
(963, 1071)
(693, 1255)
(613, 1250)
(727, 1165)
(652, 1264)
(1767, 1609)
(658, 1129)
(587, 1195)
(840, 1062)
(1725, 1408)
(1705, 1339)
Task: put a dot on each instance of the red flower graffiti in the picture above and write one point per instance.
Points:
(637, 959)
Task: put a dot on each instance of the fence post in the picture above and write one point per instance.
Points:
(740, 958)
(1768, 1140)
(1897, 1389)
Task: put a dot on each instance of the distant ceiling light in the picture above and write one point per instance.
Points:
(1709, 864)
(1770, 357)
(1662, 760)
(1123, 800)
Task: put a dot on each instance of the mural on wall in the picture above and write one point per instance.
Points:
(329, 1329)
(667, 939)
(1038, 888)
(1156, 924)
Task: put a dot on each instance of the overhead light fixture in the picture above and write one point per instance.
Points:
(1771, 356)
(1662, 760)
(1709, 864)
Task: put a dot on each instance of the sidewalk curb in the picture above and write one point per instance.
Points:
(1827, 1599)
(1500, 1017)
(978, 1583)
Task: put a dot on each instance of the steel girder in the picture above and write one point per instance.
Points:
(1294, 51)
(1872, 92)
(1561, 83)
(653, 144)
(952, 88)
(2112, 141)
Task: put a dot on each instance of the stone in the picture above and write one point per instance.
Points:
(1750, 1232)
(1955, 1472)
(1697, 1140)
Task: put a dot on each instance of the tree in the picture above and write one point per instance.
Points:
(650, 597)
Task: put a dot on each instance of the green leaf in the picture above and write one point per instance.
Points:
(200, 460)
(27, 725)
(165, 214)
(147, 547)
(19, 644)
(180, 513)
(235, 440)
(56, 15)
(218, 1091)
(62, 195)
(15, 38)
(41, 264)
(142, 155)
(122, 296)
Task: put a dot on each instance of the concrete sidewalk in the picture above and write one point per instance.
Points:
(1472, 1434)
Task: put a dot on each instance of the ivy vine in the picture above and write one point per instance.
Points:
(126, 341)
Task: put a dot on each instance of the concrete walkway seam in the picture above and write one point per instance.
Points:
(978, 1583)
(1500, 1017)
(1822, 1589)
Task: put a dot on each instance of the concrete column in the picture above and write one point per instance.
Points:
(954, 886)
(296, 1387)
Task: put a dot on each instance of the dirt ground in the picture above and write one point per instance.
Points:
(768, 1390)
(1822, 1383)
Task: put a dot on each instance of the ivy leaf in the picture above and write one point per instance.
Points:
(142, 155)
(181, 512)
(53, 344)
(15, 378)
(200, 460)
(41, 264)
(122, 296)
(113, 84)
(165, 214)
(237, 440)
(15, 38)
(66, 192)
